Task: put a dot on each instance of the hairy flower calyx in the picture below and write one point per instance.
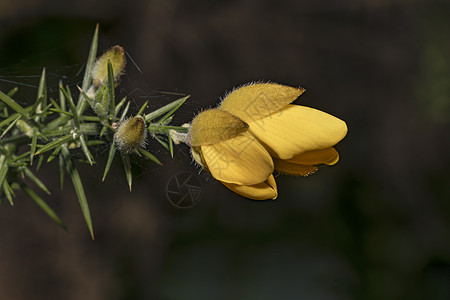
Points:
(214, 125)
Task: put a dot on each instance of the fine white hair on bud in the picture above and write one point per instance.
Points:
(131, 134)
(179, 137)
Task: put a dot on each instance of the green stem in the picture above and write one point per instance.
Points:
(164, 129)
(85, 128)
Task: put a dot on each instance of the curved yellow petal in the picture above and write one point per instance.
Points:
(327, 156)
(254, 101)
(297, 129)
(289, 168)
(241, 160)
(196, 153)
(214, 125)
(260, 191)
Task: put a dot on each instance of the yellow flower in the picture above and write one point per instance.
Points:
(256, 131)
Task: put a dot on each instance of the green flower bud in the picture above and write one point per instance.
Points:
(25, 128)
(100, 71)
(131, 134)
(101, 102)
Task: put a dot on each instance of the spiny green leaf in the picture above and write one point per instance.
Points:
(13, 104)
(112, 101)
(171, 108)
(44, 206)
(81, 105)
(125, 110)
(3, 168)
(170, 145)
(55, 104)
(127, 169)
(9, 120)
(86, 97)
(63, 112)
(75, 116)
(76, 120)
(141, 110)
(119, 106)
(42, 89)
(21, 156)
(112, 152)
(86, 151)
(90, 118)
(9, 193)
(150, 156)
(166, 121)
(103, 130)
(33, 144)
(164, 144)
(12, 92)
(62, 170)
(84, 118)
(54, 153)
(171, 112)
(91, 143)
(41, 100)
(11, 125)
(45, 111)
(36, 180)
(62, 99)
(17, 164)
(39, 164)
(55, 144)
(78, 186)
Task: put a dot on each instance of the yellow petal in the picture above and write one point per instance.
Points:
(293, 168)
(260, 191)
(297, 129)
(197, 156)
(252, 102)
(328, 156)
(240, 160)
(214, 125)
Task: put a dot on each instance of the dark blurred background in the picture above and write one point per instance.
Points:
(375, 226)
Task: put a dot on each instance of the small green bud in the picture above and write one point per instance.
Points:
(116, 56)
(131, 134)
(25, 128)
(101, 102)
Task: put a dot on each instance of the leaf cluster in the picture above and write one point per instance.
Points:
(59, 129)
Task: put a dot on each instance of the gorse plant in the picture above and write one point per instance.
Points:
(57, 130)
(254, 134)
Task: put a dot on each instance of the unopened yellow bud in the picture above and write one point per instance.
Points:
(116, 56)
(131, 134)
